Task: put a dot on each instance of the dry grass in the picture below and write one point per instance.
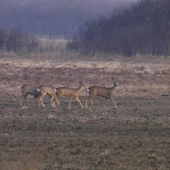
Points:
(135, 78)
(136, 137)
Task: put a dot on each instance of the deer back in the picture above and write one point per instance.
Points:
(64, 91)
(99, 91)
(28, 89)
(68, 92)
(47, 89)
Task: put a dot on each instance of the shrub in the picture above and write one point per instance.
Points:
(12, 41)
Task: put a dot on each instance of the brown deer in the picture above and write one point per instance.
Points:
(46, 90)
(69, 92)
(28, 89)
(102, 91)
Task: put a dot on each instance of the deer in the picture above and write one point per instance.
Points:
(70, 92)
(108, 93)
(28, 89)
(46, 90)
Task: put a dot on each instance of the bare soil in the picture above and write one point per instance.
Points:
(136, 136)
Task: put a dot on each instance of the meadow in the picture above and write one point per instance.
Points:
(136, 136)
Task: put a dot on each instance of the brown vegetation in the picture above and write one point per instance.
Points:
(137, 77)
(134, 137)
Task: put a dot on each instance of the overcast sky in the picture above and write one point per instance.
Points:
(54, 17)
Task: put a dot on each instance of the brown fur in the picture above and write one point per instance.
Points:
(46, 90)
(103, 92)
(69, 92)
(27, 89)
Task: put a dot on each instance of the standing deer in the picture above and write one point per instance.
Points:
(28, 89)
(69, 92)
(102, 91)
(46, 90)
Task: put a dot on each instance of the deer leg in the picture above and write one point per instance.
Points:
(91, 102)
(40, 99)
(86, 101)
(56, 99)
(79, 102)
(25, 99)
(70, 102)
(89, 98)
(113, 102)
(38, 102)
(53, 101)
(42, 102)
(34, 100)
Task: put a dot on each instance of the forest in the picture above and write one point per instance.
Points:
(127, 30)
(142, 29)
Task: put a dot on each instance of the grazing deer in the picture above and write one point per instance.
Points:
(46, 90)
(69, 92)
(28, 89)
(102, 91)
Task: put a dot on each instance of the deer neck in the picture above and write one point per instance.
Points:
(79, 89)
(114, 86)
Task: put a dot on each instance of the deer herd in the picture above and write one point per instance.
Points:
(55, 93)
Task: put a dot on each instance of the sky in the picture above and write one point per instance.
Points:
(54, 17)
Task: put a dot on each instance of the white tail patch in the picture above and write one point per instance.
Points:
(38, 90)
(87, 89)
(55, 90)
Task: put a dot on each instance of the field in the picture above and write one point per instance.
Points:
(135, 137)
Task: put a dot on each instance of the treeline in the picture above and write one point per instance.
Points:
(12, 41)
(142, 29)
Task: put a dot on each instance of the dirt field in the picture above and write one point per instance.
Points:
(135, 137)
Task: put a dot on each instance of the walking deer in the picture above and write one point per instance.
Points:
(69, 92)
(103, 92)
(46, 90)
(28, 89)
